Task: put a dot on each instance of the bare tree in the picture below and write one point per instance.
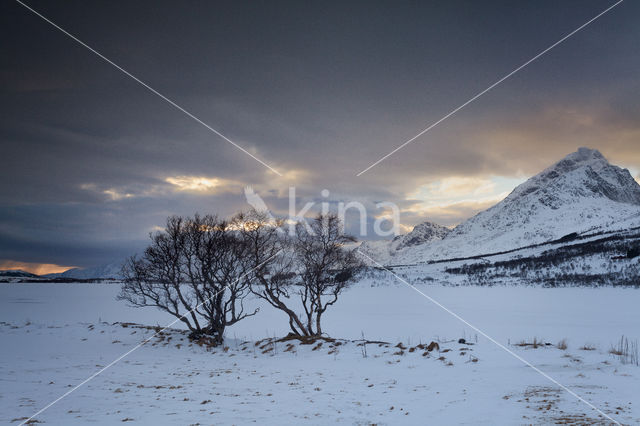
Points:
(310, 269)
(324, 265)
(201, 269)
(268, 252)
(195, 270)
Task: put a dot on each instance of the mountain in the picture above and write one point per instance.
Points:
(423, 233)
(17, 273)
(109, 270)
(580, 193)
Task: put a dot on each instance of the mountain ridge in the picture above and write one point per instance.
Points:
(581, 192)
(111, 270)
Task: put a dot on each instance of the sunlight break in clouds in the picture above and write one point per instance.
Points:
(194, 183)
(113, 193)
(34, 268)
(209, 184)
(457, 186)
(450, 200)
(203, 184)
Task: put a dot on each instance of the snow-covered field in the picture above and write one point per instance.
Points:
(53, 336)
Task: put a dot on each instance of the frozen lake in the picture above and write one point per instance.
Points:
(594, 315)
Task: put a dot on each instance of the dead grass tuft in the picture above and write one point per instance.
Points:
(626, 351)
(535, 344)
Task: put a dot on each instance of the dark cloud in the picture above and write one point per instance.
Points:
(317, 90)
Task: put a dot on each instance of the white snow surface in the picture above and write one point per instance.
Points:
(53, 336)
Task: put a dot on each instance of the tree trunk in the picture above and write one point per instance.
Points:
(318, 328)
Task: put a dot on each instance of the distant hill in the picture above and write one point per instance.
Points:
(17, 273)
(109, 270)
(425, 232)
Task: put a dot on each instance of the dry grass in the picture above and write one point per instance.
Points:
(535, 344)
(626, 351)
(562, 345)
(305, 340)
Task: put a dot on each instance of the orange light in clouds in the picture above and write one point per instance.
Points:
(34, 268)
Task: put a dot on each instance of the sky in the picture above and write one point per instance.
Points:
(92, 161)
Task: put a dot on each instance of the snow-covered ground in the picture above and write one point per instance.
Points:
(53, 336)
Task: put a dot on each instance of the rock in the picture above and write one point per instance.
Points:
(432, 346)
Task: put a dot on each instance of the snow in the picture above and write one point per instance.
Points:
(55, 335)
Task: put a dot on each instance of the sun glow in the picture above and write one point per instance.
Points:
(194, 183)
(452, 198)
(34, 268)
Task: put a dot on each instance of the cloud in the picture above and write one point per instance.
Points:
(34, 268)
(124, 192)
(165, 187)
(112, 194)
(197, 183)
(527, 143)
(453, 213)
(455, 187)
(93, 161)
(451, 200)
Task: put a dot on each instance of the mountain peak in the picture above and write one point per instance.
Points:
(579, 192)
(585, 154)
(582, 157)
(422, 233)
(585, 172)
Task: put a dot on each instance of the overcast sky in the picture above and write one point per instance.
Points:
(92, 161)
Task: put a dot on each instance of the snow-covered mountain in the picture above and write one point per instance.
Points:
(423, 233)
(109, 270)
(580, 193)
(17, 273)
